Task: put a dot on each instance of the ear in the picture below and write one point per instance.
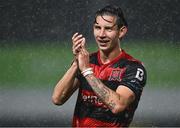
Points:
(123, 30)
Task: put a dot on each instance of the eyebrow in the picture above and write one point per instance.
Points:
(107, 26)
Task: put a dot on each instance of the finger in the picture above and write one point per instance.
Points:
(83, 48)
(83, 42)
(85, 51)
(78, 37)
(78, 43)
(77, 47)
(75, 35)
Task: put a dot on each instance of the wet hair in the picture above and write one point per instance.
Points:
(112, 10)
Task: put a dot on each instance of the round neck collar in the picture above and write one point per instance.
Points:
(121, 55)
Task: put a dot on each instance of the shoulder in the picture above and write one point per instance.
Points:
(129, 61)
(134, 76)
(134, 68)
(134, 64)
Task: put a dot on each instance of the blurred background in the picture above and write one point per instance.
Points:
(35, 51)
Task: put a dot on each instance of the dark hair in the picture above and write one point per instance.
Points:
(112, 11)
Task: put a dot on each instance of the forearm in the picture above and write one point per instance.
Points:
(65, 87)
(108, 96)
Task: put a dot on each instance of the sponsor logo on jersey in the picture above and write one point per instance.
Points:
(90, 97)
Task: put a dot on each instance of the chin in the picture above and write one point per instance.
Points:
(104, 49)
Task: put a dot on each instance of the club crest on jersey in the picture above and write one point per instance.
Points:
(116, 74)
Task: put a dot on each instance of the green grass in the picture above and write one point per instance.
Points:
(41, 65)
(33, 65)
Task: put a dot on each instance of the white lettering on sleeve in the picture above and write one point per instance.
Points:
(139, 74)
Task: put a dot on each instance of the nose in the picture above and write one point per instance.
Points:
(102, 33)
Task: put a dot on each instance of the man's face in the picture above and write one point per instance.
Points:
(106, 32)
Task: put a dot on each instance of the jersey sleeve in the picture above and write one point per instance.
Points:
(135, 78)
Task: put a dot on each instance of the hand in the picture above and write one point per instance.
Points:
(83, 57)
(77, 40)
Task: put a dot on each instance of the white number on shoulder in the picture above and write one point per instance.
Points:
(139, 74)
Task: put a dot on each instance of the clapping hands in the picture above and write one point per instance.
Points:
(79, 51)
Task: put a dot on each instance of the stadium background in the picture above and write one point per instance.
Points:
(35, 51)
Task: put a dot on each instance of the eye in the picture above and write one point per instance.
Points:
(97, 27)
(109, 29)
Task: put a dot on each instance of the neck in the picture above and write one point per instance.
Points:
(106, 57)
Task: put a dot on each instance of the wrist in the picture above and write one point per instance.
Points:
(74, 66)
(74, 62)
(87, 71)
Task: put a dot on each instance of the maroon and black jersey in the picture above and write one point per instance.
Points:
(124, 70)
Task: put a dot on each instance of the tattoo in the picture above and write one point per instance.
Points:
(102, 91)
(111, 104)
(98, 87)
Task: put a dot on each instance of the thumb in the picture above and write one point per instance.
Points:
(83, 43)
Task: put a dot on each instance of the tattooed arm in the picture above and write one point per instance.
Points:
(116, 101)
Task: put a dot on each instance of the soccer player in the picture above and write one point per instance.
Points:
(110, 81)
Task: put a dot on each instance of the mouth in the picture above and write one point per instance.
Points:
(103, 42)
